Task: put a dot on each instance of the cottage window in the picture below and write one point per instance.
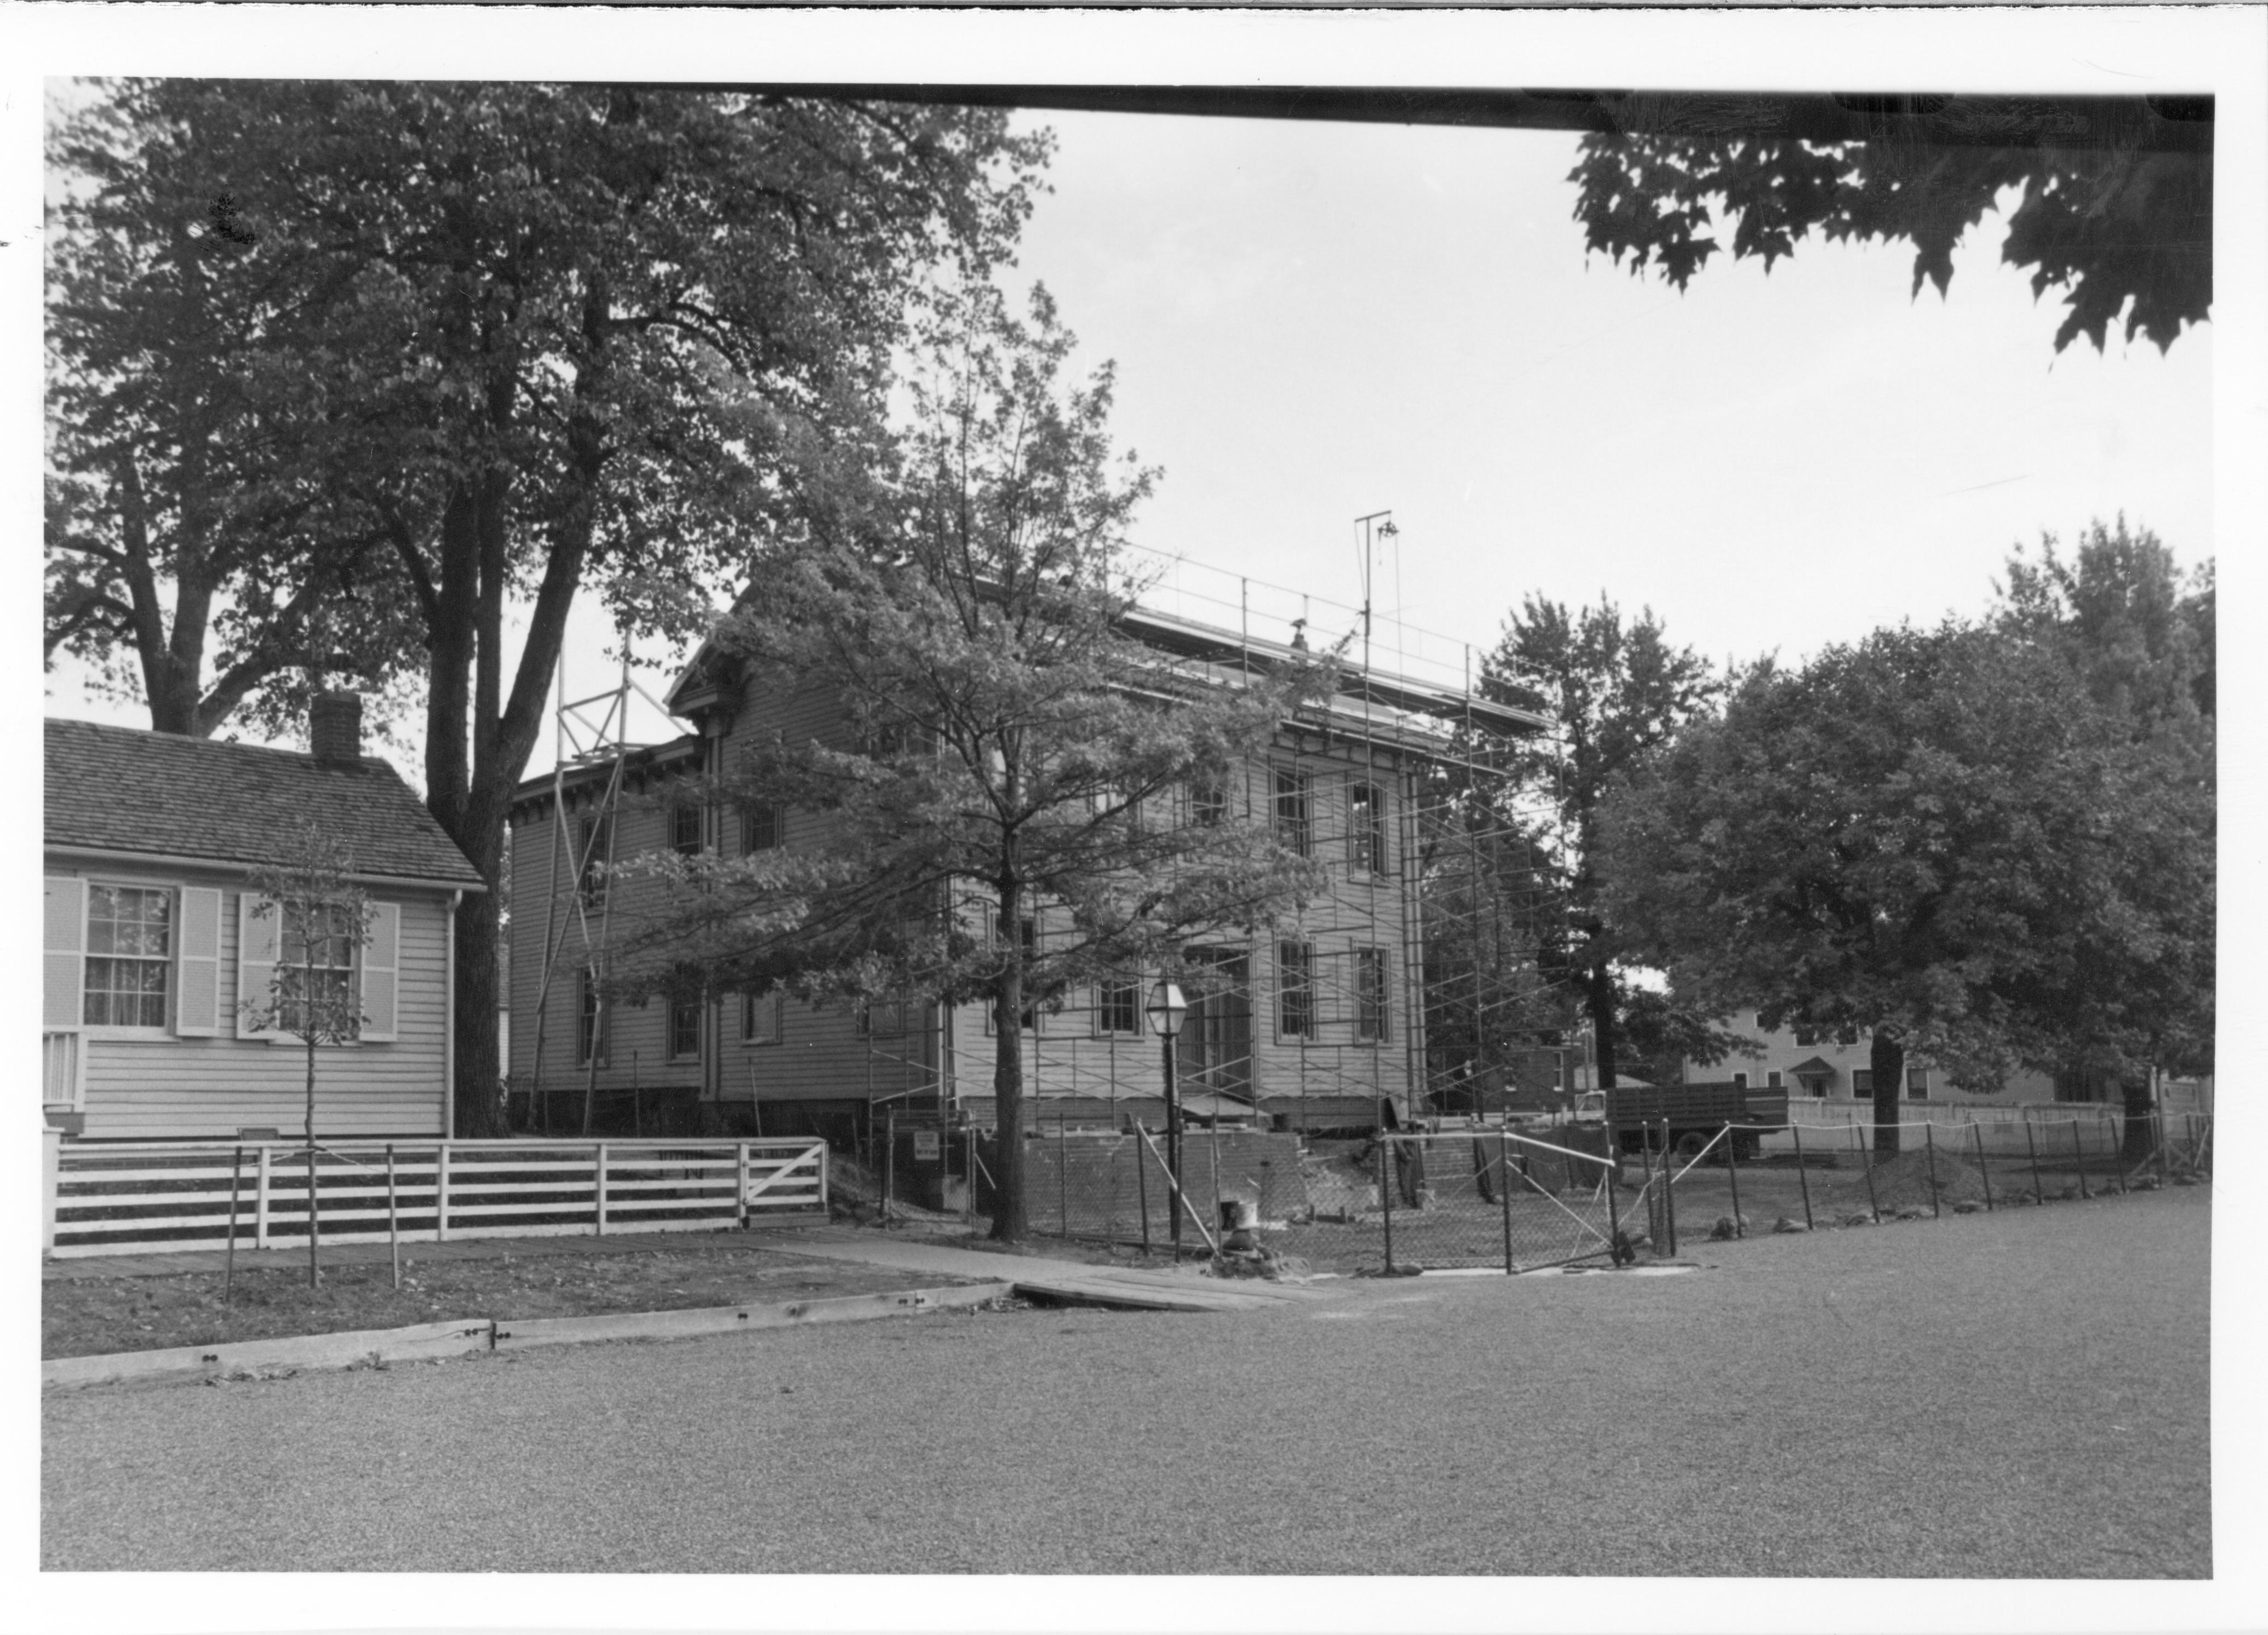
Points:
(586, 1022)
(760, 828)
(685, 829)
(1367, 828)
(1917, 1084)
(685, 1030)
(1292, 812)
(1118, 1007)
(129, 946)
(1371, 1014)
(1295, 990)
(594, 833)
(759, 1018)
(1862, 1081)
(316, 980)
(1209, 800)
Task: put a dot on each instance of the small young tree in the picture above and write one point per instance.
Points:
(1017, 804)
(319, 919)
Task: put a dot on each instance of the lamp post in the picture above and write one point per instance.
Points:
(1165, 1010)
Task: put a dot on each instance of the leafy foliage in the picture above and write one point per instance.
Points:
(2116, 231)
(1008, 752)
(511, 340)
(1617, 692)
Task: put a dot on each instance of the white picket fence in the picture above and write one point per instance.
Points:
(142, 1198)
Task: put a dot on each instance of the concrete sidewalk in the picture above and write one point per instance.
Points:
(423, 1250)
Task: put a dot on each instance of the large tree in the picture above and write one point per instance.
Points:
(2115, 229)
(1617, 691)
(552, 339)
(1936, 834)
(1014, 807)
(2137, 633)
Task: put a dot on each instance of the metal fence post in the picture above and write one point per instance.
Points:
(2078, 1153)
(1802, 1178)
(2158, 1141)
(1141, 1189)
(1386, 1179)
(1867, 1163)
(1668, 1189)
(2032, 1147)
(1984, 1170)
(1614, 1208)
(1504, 1193)
(1929, 1150)
(1733, 1177)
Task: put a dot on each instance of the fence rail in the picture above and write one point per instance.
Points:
(156, 1196)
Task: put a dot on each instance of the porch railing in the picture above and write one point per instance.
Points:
(143, 1197)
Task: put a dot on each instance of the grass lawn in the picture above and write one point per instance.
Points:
(90, 1316)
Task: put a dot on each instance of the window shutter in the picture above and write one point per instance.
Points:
(196, 1014)
(63, 1004)
(256, 939)
(378, 965)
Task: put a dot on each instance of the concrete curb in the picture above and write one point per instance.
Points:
(429, 1341)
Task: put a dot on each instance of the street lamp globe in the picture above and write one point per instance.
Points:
(1166, 1009)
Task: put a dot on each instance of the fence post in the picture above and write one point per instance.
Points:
(1504, 1193)
(1613, 1165)
(1802, 1179)
(441, 1193)
(599, 1189)
(741, 1184)
(1733, 1177)
(2118, 1152)
(1386, 1180)
(1668, 1189)
(1929, 1150)
(1867, 1163)
(2078, 1151)
(1141, 1191)
(1984, 1170)
(228, 1269)
(51, 1164)
(392, 1217)
(2032, 1147)
(2158, 1141)
(260, 1204)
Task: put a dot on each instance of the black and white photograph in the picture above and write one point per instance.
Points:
(1259, 820)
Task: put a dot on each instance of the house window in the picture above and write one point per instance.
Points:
(592, 848)
(322, 974)
(1740, 1081)
(1369, 1013)
(1762, 1026)
(587, 1018)
(1118, 1007)
(759, 1018)
(1773, 1081)
(1295, 990)
(1813, 1084)
(760, 828)
(129, 946)
(1862, 1082)
(1917, 1084)
(1292, 812)
(1209, 800)
(685, 1030)
(1807, 1036)
(1846, 1036)
(685, 829)
(1367, 828)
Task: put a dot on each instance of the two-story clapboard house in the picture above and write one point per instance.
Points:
(153, 948)
(1312, 1027)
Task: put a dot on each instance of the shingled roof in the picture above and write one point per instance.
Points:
(119, 789)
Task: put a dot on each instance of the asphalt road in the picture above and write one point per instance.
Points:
(2020, 1394)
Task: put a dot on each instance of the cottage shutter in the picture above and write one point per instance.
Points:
(256, 939)
(1334, 981)
(377, 971)
(196, 1014)
(63, 1003)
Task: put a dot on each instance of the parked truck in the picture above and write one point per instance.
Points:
(1695, 1113)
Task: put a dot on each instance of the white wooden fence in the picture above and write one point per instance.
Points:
(142, 1198)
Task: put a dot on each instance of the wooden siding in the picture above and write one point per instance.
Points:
(823, 1056)
(205, 1088)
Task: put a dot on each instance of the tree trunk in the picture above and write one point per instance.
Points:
(1886, 1057)
(474, 1098)
(2135, 1145)
(1010, 1223)
(1598, 999)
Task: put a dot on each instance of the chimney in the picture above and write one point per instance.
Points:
(335, 728)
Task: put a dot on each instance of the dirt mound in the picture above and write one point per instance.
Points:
(1902, 1183)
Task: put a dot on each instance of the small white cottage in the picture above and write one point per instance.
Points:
(150, 941)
